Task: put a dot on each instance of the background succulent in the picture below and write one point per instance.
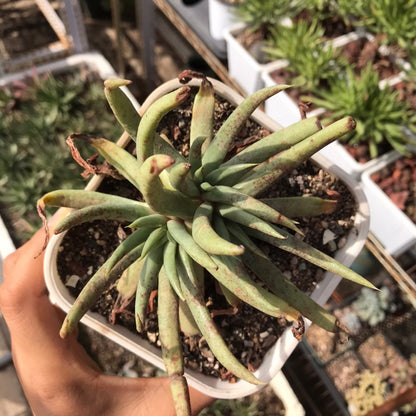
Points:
(379, 114)
(36, 117)
(310, 57)
(391, 18)
(262, 15)
(200, 214)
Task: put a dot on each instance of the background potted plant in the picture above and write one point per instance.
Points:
(245, 41)
(176, 228)
(380, 364)
(390, 22)
(381, 118)
(38, 111)
(334, 16)
(305, 59)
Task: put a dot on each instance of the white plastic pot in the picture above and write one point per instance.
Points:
(242, 67)
(278, 354)
(337, 153)
(392, 227)
(221, 16)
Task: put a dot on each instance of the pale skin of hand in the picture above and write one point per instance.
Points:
(57, 375)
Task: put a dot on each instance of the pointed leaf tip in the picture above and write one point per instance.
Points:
(113, 83)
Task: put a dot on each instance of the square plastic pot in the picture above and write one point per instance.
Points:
(392, 227)
(221, 16)
(242, 66)
(278, 354)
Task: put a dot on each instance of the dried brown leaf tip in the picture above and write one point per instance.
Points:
(186, 75)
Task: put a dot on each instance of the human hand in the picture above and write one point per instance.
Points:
(57, 375)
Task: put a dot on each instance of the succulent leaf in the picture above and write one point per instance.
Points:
(233, 275)
(196, 303)
(155, 239)
(123, 109)
(228, 195)
(116, 156)
(147, 128)
(128, 212)
(203, 113)
(265, 174)
(311, 254)
(169, 262)
(276, 142)
(218, 148)
(228, 175)
(195, 153)
(164, 201)
(243, 217)
(205, 236)
(275, 280)
(301, 206)
(101, 281)
(147, 282)
(178, 231)
(169, 336)
(151, 220)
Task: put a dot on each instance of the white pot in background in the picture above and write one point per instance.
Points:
(242, 66)
(95, 62)
(279, 353)
(221, 16)
(392, 227)
(280, 107)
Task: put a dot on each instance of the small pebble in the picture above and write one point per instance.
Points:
(328, 236)
(152, 336)
(342, 241)
(264, 334)
(72, 281)
(332, 246)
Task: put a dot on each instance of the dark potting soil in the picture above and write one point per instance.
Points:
(361, 151)
(362, 52)
(249, 333)
(334, 26)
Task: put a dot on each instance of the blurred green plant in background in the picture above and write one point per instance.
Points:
(36, 116)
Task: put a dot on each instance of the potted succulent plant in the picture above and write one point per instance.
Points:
(303, 57)
(391, 22)
(245, 40)
(198, 222)
(381, 118)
